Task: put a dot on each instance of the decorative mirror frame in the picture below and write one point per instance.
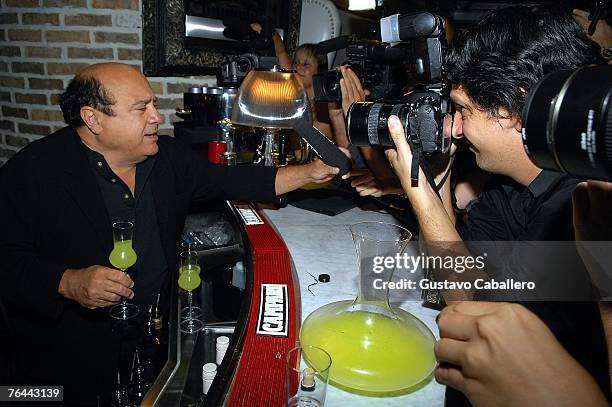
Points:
(163, 41)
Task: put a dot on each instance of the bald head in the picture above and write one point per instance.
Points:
(96, 86)
(111, 73)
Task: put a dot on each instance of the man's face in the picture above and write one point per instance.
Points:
(495, 141)
(131, 134)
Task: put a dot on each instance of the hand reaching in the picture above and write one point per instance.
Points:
(603, 31)
(592, 215)
(501, 354)
(256, 27)
(351, 88)
(366, 184)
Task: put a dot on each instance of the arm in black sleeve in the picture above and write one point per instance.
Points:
(210, 181)
(27, 280)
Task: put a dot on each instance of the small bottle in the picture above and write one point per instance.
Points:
(151, 348)
(308, 382)
(221, 347)
(150, 335)
(158, 316)
(209, 371)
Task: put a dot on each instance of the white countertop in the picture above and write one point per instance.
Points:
(323, 244)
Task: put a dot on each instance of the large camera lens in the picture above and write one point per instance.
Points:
(367, 123)
(426, 119)
(567, 124)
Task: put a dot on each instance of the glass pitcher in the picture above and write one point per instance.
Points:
(377, 349)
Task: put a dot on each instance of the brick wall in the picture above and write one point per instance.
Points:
(43, 43)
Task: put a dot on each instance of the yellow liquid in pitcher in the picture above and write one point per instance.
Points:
(372, 352)
(189, 277)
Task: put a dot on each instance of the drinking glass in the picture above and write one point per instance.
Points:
(306, 376)
(123, 257)
(189, 280)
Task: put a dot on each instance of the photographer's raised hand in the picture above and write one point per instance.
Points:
(603, 31)
(400, 159)
(352, 90)
(437, 222)
(592, 201)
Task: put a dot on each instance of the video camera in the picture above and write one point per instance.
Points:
(426, 110)
(233, 72)
(379, 67)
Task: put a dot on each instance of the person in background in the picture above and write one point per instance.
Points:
(60, 196)
(306, 62)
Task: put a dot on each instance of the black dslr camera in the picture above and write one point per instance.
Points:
(426, 110)
(379, 67)
(233, 72)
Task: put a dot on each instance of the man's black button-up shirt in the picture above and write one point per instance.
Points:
(150, 269)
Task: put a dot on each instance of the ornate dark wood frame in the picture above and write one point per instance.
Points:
(163, 34)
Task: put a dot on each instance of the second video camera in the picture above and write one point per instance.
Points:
(379, 66)
(233, 72)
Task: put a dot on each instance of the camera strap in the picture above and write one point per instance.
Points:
(432, 298)
(418, 160)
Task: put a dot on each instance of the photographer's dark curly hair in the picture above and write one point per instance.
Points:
(498, 60)
(85, 91)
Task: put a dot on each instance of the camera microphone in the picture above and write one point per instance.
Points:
(333, 44)
(406, 27)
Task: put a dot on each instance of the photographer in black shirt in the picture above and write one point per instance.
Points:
(492, 67)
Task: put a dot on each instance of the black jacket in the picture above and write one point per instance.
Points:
(52, 217)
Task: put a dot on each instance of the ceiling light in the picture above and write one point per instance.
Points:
(362, 5)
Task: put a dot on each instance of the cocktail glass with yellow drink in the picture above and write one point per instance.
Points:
(189, 280)
(123, 257)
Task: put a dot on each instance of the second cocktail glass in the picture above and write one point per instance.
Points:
(123, 257)
(189, 280)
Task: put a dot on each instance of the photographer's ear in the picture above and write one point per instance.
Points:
(509, 120)
(90, 118)
(518, 125)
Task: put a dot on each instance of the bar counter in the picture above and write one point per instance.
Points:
(301, 244)
(322, 244)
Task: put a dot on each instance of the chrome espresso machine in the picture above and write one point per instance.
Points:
(207, 112)
(207, 124)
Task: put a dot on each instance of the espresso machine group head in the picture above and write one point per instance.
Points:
(275, 99)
